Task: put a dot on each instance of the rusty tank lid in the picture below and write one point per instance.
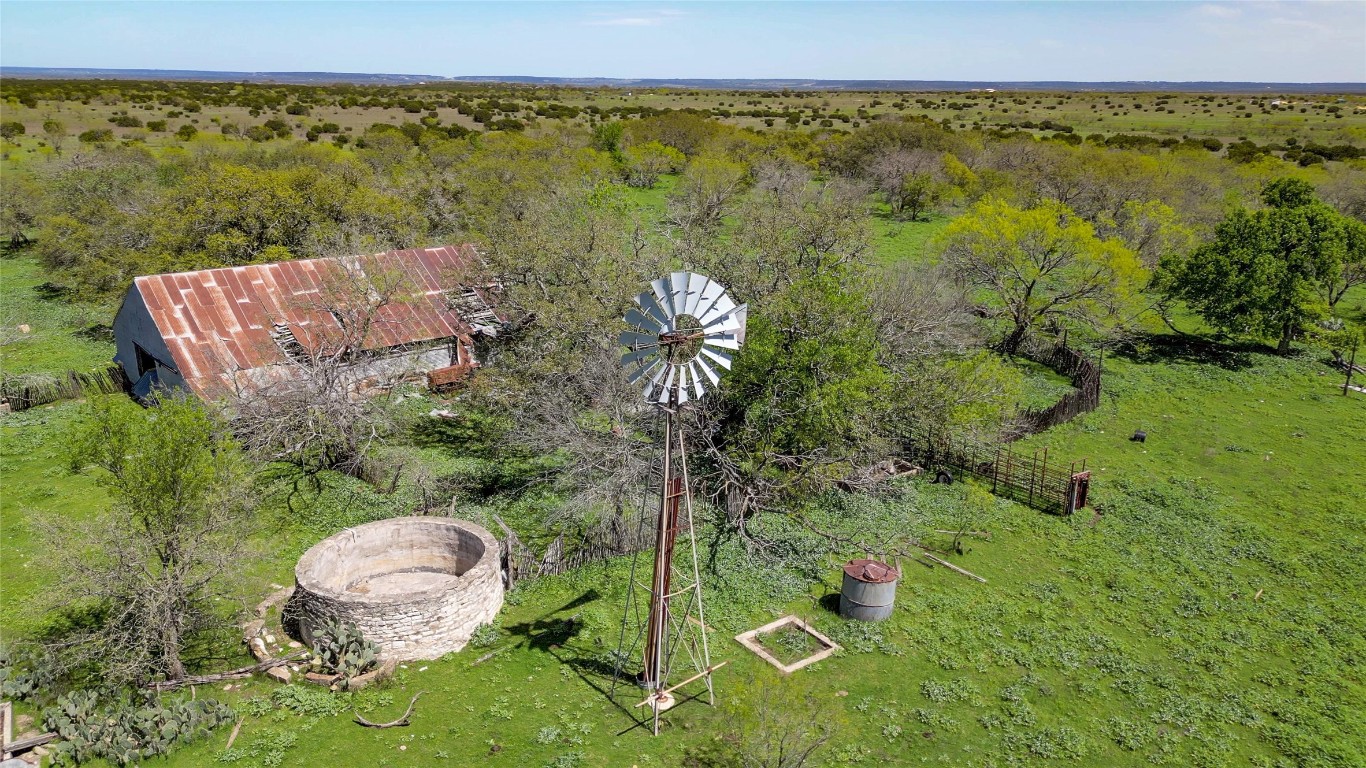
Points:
(871, 571)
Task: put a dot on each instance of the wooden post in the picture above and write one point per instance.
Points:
(6, 728)
(1033, 467)
(1351, 365)
(1043, 474)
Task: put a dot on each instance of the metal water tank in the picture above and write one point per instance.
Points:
(869, 590)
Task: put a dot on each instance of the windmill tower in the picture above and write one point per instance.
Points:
(682, 331)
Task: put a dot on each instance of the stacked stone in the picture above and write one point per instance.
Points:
(446, 572)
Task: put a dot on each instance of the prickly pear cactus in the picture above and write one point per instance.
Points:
(343, 650)
(128, 732)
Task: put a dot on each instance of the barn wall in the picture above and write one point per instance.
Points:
(399, 365)
(134, 324)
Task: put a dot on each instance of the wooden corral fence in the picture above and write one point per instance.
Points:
(1033, 480)
(1084, 374)
(30, 390)
(521, 561)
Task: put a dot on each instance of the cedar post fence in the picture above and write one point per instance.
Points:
(1032, 480)
(27, 391)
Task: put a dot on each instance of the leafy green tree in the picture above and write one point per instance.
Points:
(11, 129)
(687, 132)
(154, 565)
(705, 194)
(607, 137)
(645, 163)
(1267, 273)
(55, 131)
(1029, 266)
(187, 131)
(19, 208)
(805, 402)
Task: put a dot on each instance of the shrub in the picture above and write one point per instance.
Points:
(96, 136)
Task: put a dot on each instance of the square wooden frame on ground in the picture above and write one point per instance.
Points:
(750, 640)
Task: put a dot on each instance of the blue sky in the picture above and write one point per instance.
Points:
(1256, 41)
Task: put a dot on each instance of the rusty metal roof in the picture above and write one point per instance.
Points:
(871, 571)
(219, 323)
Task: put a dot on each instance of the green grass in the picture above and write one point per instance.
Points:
(33, 480)
(1135, 638)
(1211, 616)
(1131, 641)
(61, 336)
(895, 240)
(1042, 385)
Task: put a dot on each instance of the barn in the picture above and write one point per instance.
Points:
(226, 332)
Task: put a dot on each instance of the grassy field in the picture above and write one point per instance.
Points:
(1208, 617)
(61, 336)
(1206, 612)
(1324, 118)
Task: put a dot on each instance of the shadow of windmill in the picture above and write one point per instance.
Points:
(556, 634)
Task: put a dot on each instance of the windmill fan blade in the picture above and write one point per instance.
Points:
(678, 284)
(722, 306)
(662, 298)
(707, 300)
(636, 340)
(697, 285)
(663, 390)
(696, 379)
(683, 384)
(653, 383)
(644, 369)
(722, 359)
(706, 369)
(638, 356)
(725, 340)
(644, 322)
(724, 324)
(651, 306)
(741, 313)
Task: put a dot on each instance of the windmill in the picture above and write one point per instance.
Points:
(683, 329)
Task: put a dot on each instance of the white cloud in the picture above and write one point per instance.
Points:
(627, 21)
(1212, 11)
(647, 19)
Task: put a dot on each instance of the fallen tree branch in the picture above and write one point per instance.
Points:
(953, 567)
(402, 721)
(233, 674)
(890, 552)
(236, 729)
(489, 655)
(979, 534)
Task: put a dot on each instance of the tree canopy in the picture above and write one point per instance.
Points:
(1041, 264)
(1270, 272)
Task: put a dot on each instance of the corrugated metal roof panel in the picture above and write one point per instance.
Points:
(218, 322)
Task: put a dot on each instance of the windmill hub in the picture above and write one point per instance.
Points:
(684, 329)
